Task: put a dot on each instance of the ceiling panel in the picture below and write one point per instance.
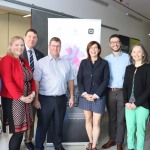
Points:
(139, 8)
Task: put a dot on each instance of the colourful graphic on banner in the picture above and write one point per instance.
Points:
(73, 55)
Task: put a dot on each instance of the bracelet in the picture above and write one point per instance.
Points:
(23, 100)
(33, 94)
(72, 97)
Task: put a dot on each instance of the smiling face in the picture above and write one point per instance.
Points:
(115, 44)
(30, 39)
(137, 54)
(94, 51)
(54, 48)
(17, 47)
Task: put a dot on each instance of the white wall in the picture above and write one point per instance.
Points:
(110, 16)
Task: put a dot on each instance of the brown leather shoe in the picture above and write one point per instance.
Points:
(94, 148)
(89, 146)
(119, 147)
(109, 144)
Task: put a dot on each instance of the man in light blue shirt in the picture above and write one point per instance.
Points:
(52, 76)
(118, 61)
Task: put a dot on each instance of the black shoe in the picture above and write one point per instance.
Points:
(59, 148)
(29, 145)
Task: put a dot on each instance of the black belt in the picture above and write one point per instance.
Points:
(115, 89)
(57, 95)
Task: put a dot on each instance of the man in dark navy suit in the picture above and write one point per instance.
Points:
(32, 55)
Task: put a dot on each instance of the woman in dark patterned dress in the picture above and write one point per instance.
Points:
(18, 91)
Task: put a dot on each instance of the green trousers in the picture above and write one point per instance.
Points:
(136, 123)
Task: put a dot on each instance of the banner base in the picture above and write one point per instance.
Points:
(70, 143)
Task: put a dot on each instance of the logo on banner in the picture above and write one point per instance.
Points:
(91, 31)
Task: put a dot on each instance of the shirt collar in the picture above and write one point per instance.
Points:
(118, 55)
(27, 49)
(51, 58)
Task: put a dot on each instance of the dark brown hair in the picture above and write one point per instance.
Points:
(56, 39)
(89, 46)
(115, 36)
(31, 30)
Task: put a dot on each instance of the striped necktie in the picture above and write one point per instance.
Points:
(31, 60)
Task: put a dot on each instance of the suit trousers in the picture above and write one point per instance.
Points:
(116, 112)
(53, 108)
(136, 122)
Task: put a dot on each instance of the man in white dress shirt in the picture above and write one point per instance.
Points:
(52, 75)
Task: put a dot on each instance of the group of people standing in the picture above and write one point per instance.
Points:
(33, 82)
(122, 82)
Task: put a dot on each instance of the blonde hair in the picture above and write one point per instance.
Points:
(11, 42)
(145, 58)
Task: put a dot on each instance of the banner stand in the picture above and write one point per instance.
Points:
(75, 35)
(70, 143)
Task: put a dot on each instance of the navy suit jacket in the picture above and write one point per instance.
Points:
(93, 79)
(38, 54)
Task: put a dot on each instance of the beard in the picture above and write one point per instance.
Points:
(117, 50)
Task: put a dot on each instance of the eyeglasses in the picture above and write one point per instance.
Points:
(115, 42)
(57, 46)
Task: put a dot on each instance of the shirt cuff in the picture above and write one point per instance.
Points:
(96, 96)
(83, 94)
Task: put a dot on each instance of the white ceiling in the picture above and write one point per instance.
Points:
(138, 8)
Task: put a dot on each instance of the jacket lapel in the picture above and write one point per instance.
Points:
(89, 65)
(98, 62)
(36, 54)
